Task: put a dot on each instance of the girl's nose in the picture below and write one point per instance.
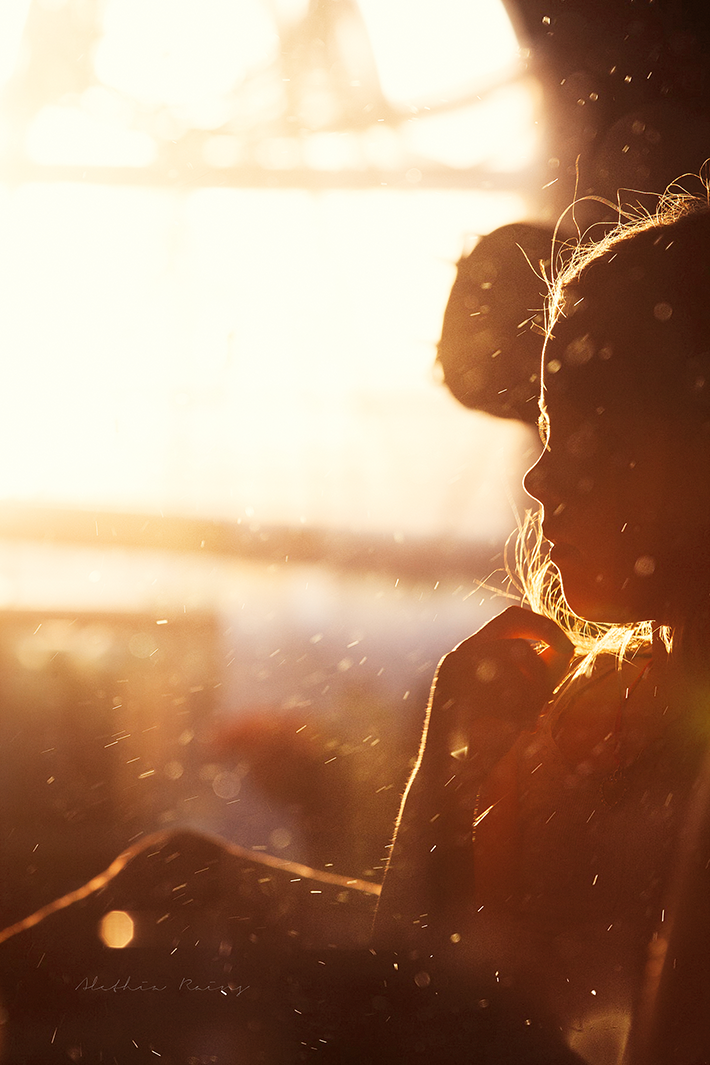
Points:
(535, 480)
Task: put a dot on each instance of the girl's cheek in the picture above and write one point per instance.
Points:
(583, 444)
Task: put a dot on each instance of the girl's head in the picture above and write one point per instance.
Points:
(625, 475)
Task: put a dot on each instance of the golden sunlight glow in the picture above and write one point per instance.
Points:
(289, 11)
(13, 16)
(258, 353)
(243, 354)
(116, 929)
(69, 136)
(499, 132)
(183, 52)
(428, 52)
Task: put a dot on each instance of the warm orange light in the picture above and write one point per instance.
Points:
(116, 929)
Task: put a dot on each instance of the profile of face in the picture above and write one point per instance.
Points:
(624, 482)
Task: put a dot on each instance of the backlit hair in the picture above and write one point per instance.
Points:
(538, 582)
(571, 258)
(532, 572)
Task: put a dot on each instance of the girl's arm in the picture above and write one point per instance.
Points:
(485, 693)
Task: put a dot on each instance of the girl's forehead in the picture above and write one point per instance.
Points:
(587, 373)
(587, 379)
(632, 328)
(577, 359)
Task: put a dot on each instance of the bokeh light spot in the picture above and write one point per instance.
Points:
(116, 929)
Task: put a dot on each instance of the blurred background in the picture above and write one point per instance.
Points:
(241, 516)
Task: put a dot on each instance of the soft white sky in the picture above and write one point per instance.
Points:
(257, 353)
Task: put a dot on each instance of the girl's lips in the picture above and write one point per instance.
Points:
(558, 544)
(561, 552)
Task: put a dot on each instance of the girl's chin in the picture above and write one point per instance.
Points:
(592, 604)
(589, 601)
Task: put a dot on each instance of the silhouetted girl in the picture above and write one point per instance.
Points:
(554, 838)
